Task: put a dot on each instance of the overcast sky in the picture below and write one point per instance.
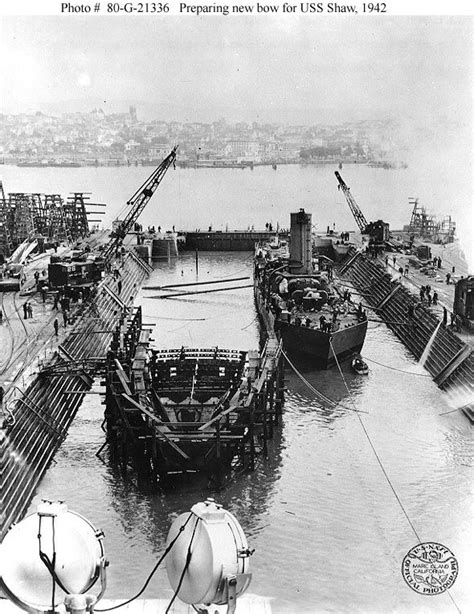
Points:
(301, 70)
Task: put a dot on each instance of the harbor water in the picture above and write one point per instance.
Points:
(191, 199)
(328, 531)
(342, 496)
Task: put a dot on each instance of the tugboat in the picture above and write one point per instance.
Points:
(303, 303)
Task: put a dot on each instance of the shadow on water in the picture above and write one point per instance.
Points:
(143, 508)
(326, 392)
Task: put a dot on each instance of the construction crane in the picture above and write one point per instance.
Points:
(378, 231)
(137, 203)
(354, 207)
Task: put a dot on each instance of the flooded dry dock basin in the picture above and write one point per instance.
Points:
(172, 360)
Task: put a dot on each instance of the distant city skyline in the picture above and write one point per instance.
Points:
(305, 70)
(149, 113)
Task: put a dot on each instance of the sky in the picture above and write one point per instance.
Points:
(416, 70)
(298, 69)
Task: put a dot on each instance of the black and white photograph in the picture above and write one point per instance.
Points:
(236, 307)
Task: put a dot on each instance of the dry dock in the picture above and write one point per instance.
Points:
(447, 355)
(46, 377)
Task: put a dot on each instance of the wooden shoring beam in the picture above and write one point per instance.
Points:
(181, 294)
(114, 296)
(159, 424)
(222, 414)
(202, 436)
(195, 283)
(124, 381)
(159, 406)
(123, 413)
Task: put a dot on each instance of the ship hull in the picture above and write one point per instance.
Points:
(322, 348)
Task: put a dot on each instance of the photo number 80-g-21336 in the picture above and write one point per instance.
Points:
(138, 7)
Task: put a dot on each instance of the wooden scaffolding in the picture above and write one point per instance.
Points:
(161, 438)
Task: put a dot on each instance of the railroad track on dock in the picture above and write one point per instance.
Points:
(28, 337)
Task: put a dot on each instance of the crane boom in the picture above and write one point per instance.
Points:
(138, 202)
(354, 207)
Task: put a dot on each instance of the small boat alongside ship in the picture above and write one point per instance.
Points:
(302, 302)
(359, 366)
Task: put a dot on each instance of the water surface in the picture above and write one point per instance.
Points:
(328, 531)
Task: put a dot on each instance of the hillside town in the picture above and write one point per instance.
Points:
(100, 139)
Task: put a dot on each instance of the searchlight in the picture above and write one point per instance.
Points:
(55, 556)
(209, 562)
(51, 557)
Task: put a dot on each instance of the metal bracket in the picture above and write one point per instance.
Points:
(231, 593)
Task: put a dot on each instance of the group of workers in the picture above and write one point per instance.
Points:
(294, 306)
(425, 293)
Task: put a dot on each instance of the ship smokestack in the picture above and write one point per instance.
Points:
(300, 243)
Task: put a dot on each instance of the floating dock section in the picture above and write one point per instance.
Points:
(43, 410)
(448, 359)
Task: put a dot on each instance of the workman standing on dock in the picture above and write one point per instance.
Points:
(56, 326)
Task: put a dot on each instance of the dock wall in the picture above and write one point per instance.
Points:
(450, 360)
(233, 241)
(45, 408)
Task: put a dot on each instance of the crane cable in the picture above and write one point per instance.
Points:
(322, 397)
(395, 368)
(381, 464)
